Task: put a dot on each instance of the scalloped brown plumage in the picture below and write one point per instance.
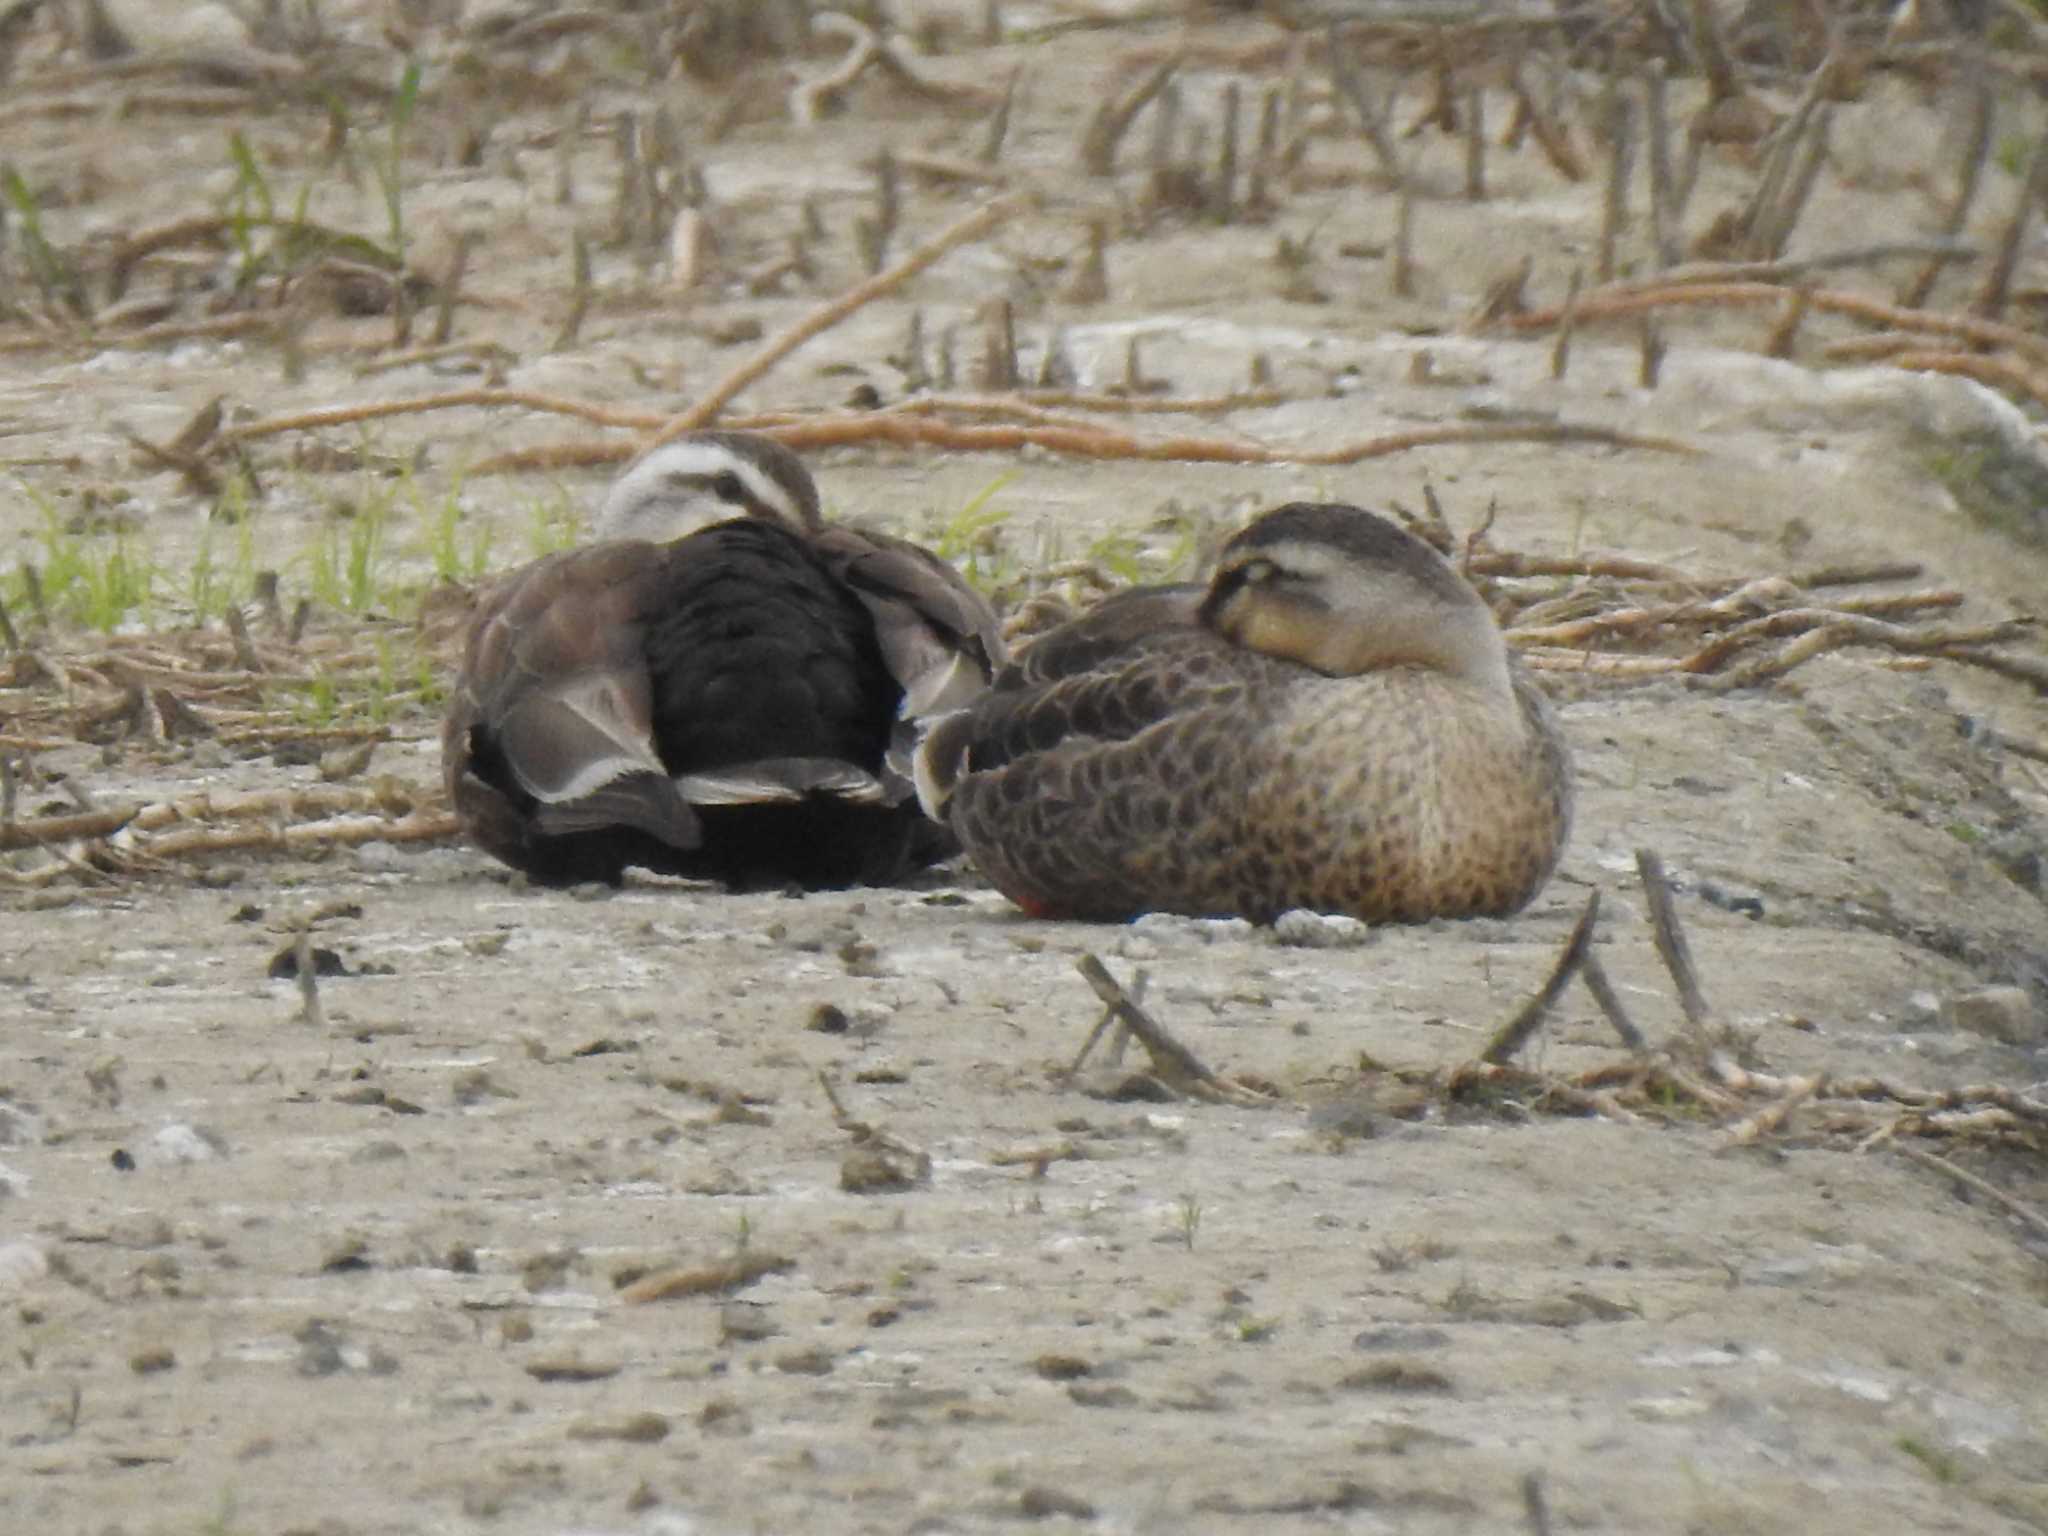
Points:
(1333, 723)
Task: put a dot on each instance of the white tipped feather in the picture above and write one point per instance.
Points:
(781, 780)
(935, 766)
(939, 690)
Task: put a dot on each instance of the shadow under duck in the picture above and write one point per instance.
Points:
(1332, 722)
(721, 686)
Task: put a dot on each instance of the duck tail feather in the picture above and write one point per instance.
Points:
(645, 801)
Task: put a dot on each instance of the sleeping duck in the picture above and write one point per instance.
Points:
(720, 686)
(1332, 722)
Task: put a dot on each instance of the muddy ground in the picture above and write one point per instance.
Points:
(373, 1271)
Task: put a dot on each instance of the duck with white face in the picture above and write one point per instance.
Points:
(721, 686)
(1333, 722)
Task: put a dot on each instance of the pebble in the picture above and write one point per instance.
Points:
(152, 1358)
(636, 1429)
(1171, 929)
(380, 858)
(18, 1126)
(188, 1144)
(2024, 860)
(1303, 929)
(748, 1321)
(1398, 1336)
(1666, 1410)
(1922, 1010)
(2004, 1013)
(1742, 903)
(21, 1265)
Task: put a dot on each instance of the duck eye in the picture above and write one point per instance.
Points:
(726, 487)
(1258, 572)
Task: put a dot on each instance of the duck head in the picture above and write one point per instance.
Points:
(706, 478)
(1345, 591)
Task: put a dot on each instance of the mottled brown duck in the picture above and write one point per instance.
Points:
(1334, 722)
(721, 686)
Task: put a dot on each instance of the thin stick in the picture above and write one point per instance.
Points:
(999, 120)
(1113, 118)
(334, 832)
(1171, 1060)
(1346, 79)
(976, 224)
(1975, 1185)
(1475, 146)
(579, 294)
(1650, 345)
(1969, 176)
(1516, 1030)
(1223, 191)
(1109, 1017)
(1561, 349)
(1626, 300)
(309, 982)
(1784, 216)
(245, 649)
(1859, 628)
(1784, 333)
(370, 410)
(1941, 252)
(905, 430)
(1772, 1117)
(1657, 134)
(451, 287)
(1402, 270)
(260, 805)
(1550, 135)
(1989, 302)
(1722, 84)
(1594, 975)
(1672, 948)
(1614, 201)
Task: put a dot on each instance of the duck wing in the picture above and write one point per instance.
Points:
(1143, 681)
(549, 731)
(939, 637)
(1116, 624)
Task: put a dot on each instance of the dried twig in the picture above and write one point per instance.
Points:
(1970, 1181)
(1172, 1062)
(1969, 176)
(454, 399)
(707, 408)
(1113, 117)
(1628, 300)
(1771, 1119)
(1515, 1031)
(1344, 75)
(1594, 975)
(904, 429)
(1989, 301)
(1672, 948)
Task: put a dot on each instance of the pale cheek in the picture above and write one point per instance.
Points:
(1283, 632)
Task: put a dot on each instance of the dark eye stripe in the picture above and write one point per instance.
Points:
(1226, 586)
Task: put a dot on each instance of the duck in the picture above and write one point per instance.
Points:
(1332, 722)
(720, 685)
